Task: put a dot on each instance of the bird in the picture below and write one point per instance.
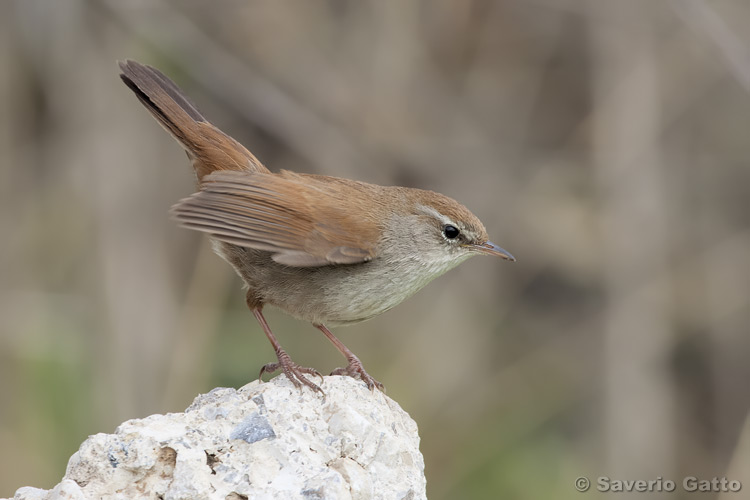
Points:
(326, 250)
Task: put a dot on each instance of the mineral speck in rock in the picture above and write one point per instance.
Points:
(254, 428)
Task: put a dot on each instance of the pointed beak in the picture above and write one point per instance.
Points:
(490, 248)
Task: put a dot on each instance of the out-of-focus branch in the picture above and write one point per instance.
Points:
(700, 16)
(628, 168)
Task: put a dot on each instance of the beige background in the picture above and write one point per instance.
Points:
(604, 143)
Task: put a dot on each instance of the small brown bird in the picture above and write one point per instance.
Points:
(323, 249)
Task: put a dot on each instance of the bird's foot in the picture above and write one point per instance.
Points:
(355, 370)
(294, 372)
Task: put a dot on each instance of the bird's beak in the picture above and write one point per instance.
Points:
(490, 248)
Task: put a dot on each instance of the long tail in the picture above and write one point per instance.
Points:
(208, 147)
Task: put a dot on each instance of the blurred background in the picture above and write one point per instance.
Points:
(604, 143)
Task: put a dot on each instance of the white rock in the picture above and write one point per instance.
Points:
(263, 441)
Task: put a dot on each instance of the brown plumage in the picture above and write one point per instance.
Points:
(323, 249)
(209, 148)
(298, 219)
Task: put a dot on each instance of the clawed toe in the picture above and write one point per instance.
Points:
(294, 372)
(355, 370)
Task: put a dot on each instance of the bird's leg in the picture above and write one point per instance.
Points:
(293, 371)
(354, 368)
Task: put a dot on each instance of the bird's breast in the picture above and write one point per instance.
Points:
(335, 294)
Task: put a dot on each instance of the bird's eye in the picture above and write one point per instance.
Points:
(451, 232)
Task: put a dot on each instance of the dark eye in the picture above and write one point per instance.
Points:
(451, 232)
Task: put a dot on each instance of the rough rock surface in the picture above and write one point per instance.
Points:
(263, 441)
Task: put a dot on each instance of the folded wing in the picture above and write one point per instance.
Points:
(302, 221)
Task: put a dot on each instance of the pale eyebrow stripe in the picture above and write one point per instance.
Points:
(434, 213)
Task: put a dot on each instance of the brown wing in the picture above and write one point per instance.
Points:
(301, 220)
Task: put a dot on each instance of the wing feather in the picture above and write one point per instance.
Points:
(303, 221)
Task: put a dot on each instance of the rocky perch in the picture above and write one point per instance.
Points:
(263, 441)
